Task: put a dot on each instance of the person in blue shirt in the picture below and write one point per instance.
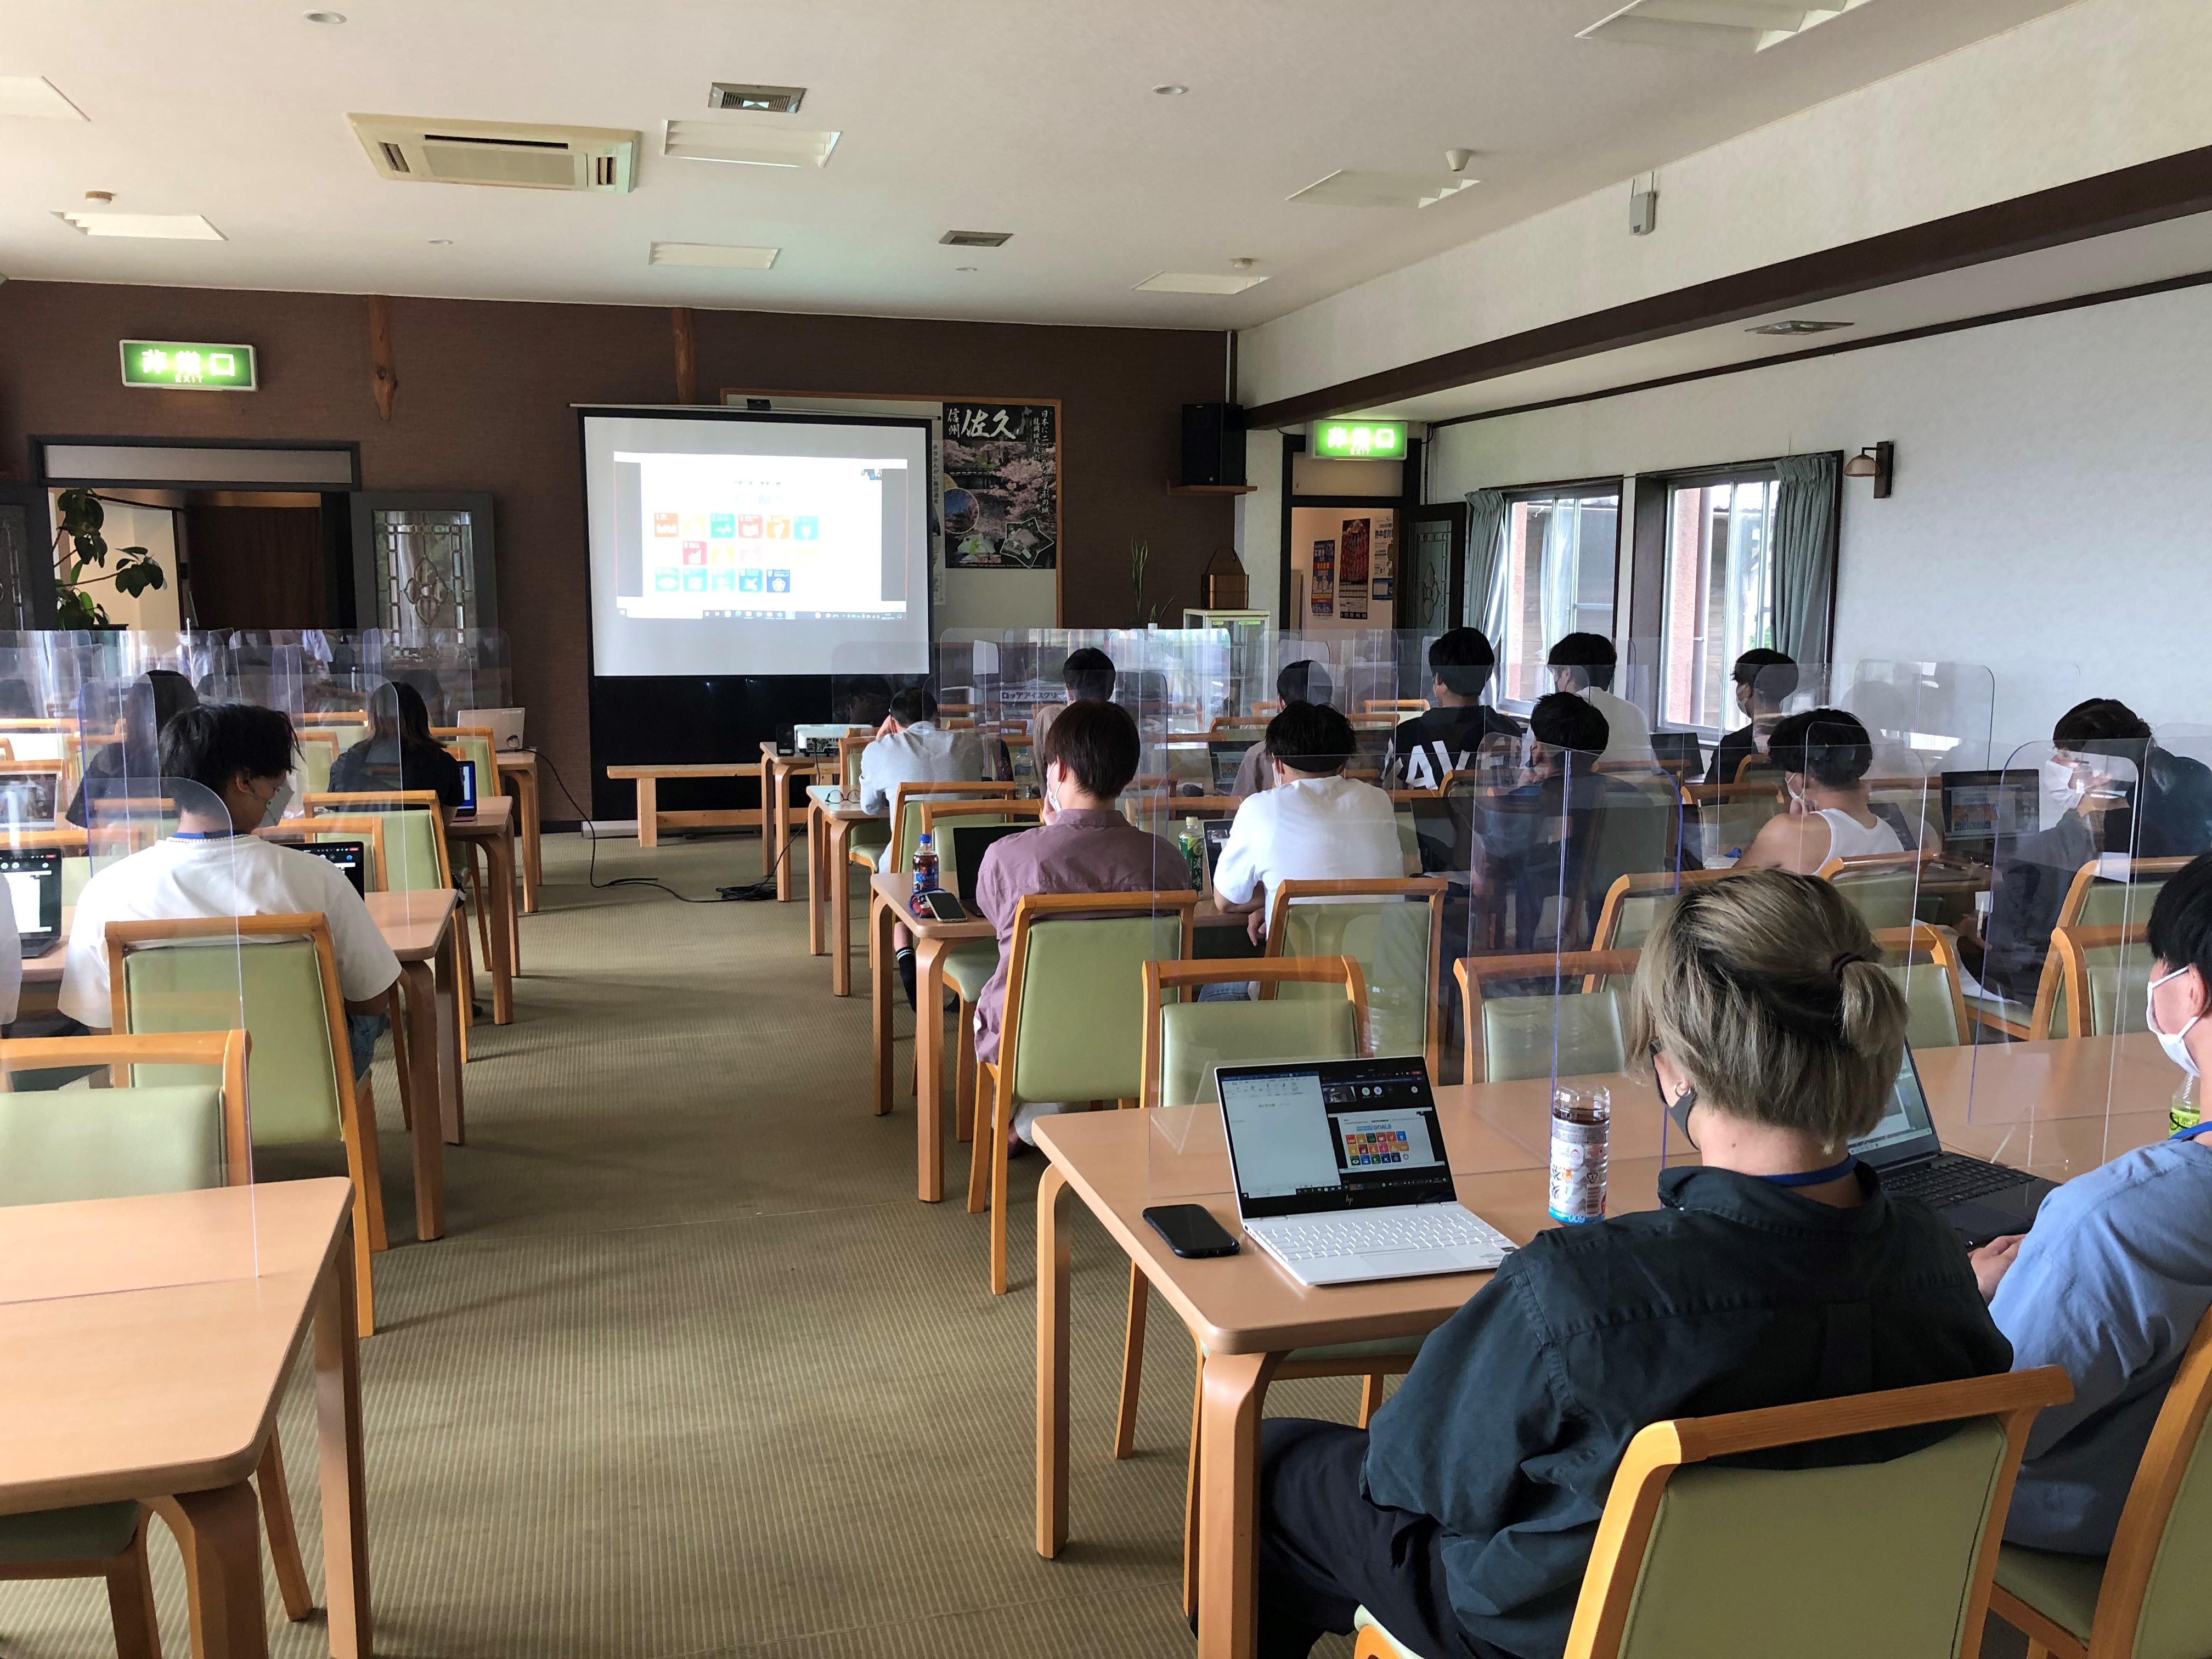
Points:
(2117, 1270)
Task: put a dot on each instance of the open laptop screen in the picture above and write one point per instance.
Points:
(351, 858)
(468, 789)
(33, 876)
(970, 843)
(1349, 1134)
(1905, 1131)
(1982, 808)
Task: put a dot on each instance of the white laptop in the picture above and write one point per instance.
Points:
(1341, 1174)
(505, 725)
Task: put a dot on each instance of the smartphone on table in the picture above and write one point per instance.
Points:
(1190, 1230)
(939, 905)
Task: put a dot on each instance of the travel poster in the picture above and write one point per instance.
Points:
(1352, 571)
(1324, 579)
(1383, 579)
(1001, 498)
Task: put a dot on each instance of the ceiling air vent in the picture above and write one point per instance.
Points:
(515, 156)
(771, 101)
(1725, 26)
(976, 238)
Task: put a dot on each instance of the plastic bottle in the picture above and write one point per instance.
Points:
(2184, 1113)
(1192, 841)
(925, 864)
(1582, 1126)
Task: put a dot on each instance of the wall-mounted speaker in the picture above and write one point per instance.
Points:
(1213, 444)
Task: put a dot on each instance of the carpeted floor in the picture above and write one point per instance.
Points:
(692, 1373)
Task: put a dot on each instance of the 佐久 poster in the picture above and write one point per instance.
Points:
(1352, 571)
(1001, 501)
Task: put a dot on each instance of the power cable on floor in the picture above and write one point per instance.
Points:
(749, 892)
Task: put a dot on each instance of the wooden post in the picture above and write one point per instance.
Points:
(687, 355)
(383, 380)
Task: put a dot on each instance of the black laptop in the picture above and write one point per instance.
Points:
(1985, 810)
(467, 809)
(970, 843)
(1679, 752)
(351, 857)
(1225, 757)
(34, 890)
(1982, 1201)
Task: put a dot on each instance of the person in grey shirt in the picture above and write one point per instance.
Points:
(911, 747)
(2116, 1272)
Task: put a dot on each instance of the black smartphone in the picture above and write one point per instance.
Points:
(1190, 1230)
(941, 906)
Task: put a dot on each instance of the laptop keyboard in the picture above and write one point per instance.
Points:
(1951, 1181)
(1428, 1226)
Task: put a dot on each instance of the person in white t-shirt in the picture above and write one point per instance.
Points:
(1314, 825)
(11, 975)
(238, 755)
(1824, 754)
(1583, 664)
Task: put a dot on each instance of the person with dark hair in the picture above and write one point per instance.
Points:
(1584, 663)
(2113, 790)
(1763, 680)
(229, 761)
(1084, 845)
(1430, 747)
(1302, 681)
(1087, 676)
(400, 753)
(132, 765)
(1521, 832)
(1823, 754)
(2115, 1275)
(911, 747)
(1775, 1272)
(1315, 825)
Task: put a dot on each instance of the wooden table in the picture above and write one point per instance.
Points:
(519, 767)
(651, 819)
(777, 772)
(2042, 1103)
(164, 1328)
(830, 821)
(493, 829)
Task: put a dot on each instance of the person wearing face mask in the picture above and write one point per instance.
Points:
(2116, 1271)
(1583, 665)
(230, 760)
(1823, 754)
(1763, 680)
(1090, 752)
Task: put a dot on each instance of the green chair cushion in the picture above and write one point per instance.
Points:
(1930, 1021)
(1578, 1034)
(1197, 1036)
(1389, 939)
(89, 1532)
(63, 1145)
(968, 968)
(1884, 898)
(2062, 1587)
(1082, 1008)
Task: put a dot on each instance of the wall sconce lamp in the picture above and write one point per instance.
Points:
(1878, 463)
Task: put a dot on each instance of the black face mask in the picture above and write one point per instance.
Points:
(1679, 1108)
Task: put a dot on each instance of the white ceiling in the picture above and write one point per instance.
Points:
(2153, 253)
(1019, 115)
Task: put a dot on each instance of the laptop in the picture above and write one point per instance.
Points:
(1982, 1201)
(1225, 757)
(970, 843)
(505, 725)
(1216, 838)
(1679, 752)
(34, 890)
(1341, 1174)
(350, 856)
(467, 809)
(1982, 809)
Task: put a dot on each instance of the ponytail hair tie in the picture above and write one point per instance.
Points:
(1836, 965)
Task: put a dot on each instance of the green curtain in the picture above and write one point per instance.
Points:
(1805, 553)
(1485, 527)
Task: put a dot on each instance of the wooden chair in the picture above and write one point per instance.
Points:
(1381, 922)
(318, 753)
(415, 831)
(1883, 887)
(58, 1145)
(1888, 1558)
(2095, 897)
(1935, 1001)
(848, 762)
(1572, 1031)
(907, 800)
(2144, 1598)
(1633, 905)
(1404, 708)
(1068, 1031)
(968, 968)
(1263, 706)
(2093, 981)
(281, 972)
(369, 828)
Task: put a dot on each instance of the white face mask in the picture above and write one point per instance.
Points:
(275, 811)
(2177, 1049)
(2059, 784)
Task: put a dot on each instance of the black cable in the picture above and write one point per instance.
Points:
(751, 891)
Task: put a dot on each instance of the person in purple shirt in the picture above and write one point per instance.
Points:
(1089, 754)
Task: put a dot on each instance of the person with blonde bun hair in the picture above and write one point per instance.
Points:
(1775, 1271)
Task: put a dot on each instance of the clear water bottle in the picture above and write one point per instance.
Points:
(925, 864)
(2185, 1113)
(1582, 1125)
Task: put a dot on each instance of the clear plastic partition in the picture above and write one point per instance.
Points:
(454, 669)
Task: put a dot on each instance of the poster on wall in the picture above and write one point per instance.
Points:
(1352, 561)
(1324, 579)
(1383, 579)
(1001, 486)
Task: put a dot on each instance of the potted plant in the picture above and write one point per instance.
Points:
(135, 569)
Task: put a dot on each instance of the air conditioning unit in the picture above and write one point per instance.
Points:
(520, 157)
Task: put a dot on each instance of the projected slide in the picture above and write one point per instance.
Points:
(742, 544)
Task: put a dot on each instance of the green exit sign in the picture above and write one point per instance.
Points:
(1344, 440)
(188, 365)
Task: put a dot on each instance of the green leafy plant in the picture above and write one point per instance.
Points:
(135, 569)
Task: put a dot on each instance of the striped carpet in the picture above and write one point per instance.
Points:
(692, 1373)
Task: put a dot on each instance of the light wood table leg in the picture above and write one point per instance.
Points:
(418, 1005)
(451, 1004)
(883, 979)
(780, 780)
(345, 1496)
(929, 1068)
(1052, 1262)
(840, 909)
(1235, 1388)
(501, 898)
(219, 1532)
(648, 811)
(521, 782)
(818, 883)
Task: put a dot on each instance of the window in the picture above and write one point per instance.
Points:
(1555, 578)
(1719, 596)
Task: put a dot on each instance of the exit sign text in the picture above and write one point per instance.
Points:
(188, 365)
(1382, 440)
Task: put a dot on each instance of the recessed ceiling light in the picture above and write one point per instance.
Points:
(1197, 282)
(324, 16)
(749, 143)
(771, 101)
(160, 227)
(34, 95)
(441, 241)
(1170, 90)
(976, 238)
(1797, 325)
(1346, 188)
(721, 255)
(967, 267)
